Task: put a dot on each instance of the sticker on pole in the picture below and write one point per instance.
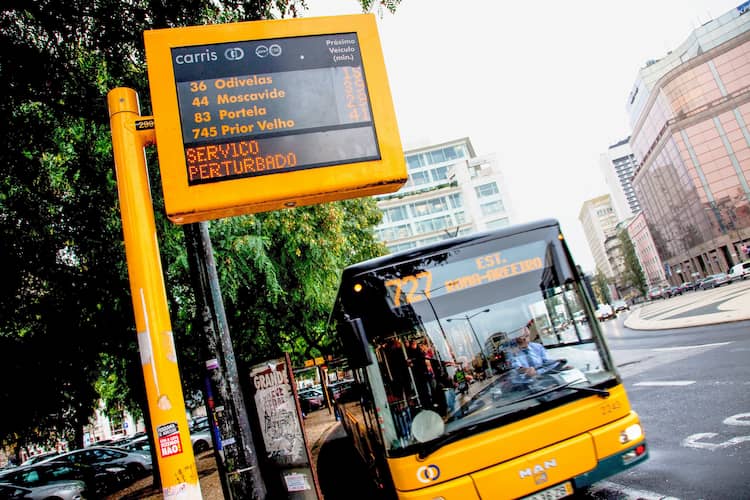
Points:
(169, 440)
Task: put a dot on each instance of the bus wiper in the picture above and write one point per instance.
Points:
(431, 447)
(599, 392)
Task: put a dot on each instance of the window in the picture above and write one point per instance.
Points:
(487, 190)
(438, 205)
(396, 214)
(420, 178)
(495, 224)
(402, 246)
(435, 224)
(414, 161)
(455, 152)
(439, 174)
(420, 208)
(437, 156)
(492, 207)
(456, 200)
(394, 233)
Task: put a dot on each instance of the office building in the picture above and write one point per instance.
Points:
(645, 250)
(618, 165)
(450, 191)
(599, 220)
(689, 113)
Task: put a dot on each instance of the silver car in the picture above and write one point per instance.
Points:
(200, 435)
(137, 462)
(714, 280)
(59, 490)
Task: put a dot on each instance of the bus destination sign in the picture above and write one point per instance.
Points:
(255, 108)
(264, 115)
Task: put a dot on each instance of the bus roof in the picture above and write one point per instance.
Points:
(413, 253)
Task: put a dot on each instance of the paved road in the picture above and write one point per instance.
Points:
(698, 308)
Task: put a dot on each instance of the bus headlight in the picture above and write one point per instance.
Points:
(631, 433)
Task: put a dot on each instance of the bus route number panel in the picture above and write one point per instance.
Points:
(270, 114)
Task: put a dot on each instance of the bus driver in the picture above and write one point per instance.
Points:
(529, 360)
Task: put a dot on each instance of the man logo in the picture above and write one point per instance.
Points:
(537, 469)
(234, 54)
(428, 473)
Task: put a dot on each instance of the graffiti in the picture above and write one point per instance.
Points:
(274, 401)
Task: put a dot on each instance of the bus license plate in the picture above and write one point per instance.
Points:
(559, 491)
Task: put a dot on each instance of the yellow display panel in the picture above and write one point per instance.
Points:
(262, 115)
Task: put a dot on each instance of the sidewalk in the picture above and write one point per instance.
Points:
(318, 426)
(697, 308)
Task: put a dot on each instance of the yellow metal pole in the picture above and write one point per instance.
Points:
(131, 133)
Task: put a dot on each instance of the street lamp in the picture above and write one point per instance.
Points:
(474, 333)
(440, 325)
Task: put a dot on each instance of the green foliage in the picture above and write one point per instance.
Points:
(633, 275)
(66, 319)
(601, 288)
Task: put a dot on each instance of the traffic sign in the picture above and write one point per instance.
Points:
(262, 115)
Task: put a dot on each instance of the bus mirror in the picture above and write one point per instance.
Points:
(355, 343)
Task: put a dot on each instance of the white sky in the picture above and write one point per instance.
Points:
(543, 85)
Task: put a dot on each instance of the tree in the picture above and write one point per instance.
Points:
(633, 275)
(66, 320)
(601, 288)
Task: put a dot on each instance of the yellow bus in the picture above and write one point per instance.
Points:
(442, 340)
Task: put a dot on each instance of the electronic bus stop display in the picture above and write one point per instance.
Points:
(261, 115)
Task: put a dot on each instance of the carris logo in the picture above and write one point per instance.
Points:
(537, 469)
(428, 473)
(234, 54)
(196, 57)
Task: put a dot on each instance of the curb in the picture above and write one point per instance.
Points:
(315, 448)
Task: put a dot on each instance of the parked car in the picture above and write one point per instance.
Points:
(655, 293)
(140, 443)
(200, 435)
(57, 490)
(38, 458)
(338, 388)
(99, 479)
(714, 280)
(620, 305)
(311, 400)
(672, 291)
(605, 312)
(137, 462)
(687, 286)
(739, 272)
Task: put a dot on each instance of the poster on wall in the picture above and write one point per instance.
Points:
(281, 428)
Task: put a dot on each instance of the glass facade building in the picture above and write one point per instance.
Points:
(690, 113)
(450, 191)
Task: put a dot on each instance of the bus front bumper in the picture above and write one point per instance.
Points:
(613, 465)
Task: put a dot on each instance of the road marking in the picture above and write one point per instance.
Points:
(666, 383)
(694, 441)
(608, 487)
(681, 348)
(739, 419)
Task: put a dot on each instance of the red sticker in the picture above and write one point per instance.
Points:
(169, 440)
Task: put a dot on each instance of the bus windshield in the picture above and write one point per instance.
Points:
(491, 329)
